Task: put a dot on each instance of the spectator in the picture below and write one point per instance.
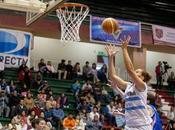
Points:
(4, 87)
(16, 122)
(95, 124)
(4, 104)
(159, 73)
(50, 69)
(48, 112)
(22, 67)
(158, 102)
(102, 74)
(171, 116)
(119, 118)
(94, 113)
(42, 97)
(13, 87)
(110, 113)
(14, 101)
(58, 114)
(28, 101)
(171, 81)
(41, 66)
(97, 91)
(31, 117)
(83, 105)
(104, 96)
(39, 124)
(25, 77)
(99, 107)
(69, 123)
(69, 69)
(24, 90)
(84, 115)
(24, 119)
(20, 108)
(76, 70)
(42, 116)
(86, 70)
(86, 87)
(36, 109)
(75, 87)
(89, 99)
(21, 77)
(93, 73)
(1, 68)
(62, 69)
(49, 96)
(63, 101)
(45, 87)
(38, 81)
(80, 125)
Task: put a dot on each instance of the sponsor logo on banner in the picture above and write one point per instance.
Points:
(15, 47)
(163, 35)
(159, 33)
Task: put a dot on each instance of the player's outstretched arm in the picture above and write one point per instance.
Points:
(140, 85)
(116, 88)
(112, 50)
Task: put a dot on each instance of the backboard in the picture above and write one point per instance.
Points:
(35, 9)
(51, 6)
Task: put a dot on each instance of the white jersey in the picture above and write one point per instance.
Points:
(136, 113)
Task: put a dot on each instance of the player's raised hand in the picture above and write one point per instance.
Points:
(111, 50)
(125, 41)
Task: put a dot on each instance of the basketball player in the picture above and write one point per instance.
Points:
(136, 114)
(156, 121)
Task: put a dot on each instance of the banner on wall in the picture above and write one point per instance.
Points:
(15, 47)
(127, 28)
(163, 35)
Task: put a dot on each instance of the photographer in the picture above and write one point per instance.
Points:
(166, 67)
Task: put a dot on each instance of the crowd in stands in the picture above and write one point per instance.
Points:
(95, 106)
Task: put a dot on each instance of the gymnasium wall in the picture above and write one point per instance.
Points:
(153, 57)
(54, 50)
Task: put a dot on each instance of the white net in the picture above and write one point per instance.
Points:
(71, 16)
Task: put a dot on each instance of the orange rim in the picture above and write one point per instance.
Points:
(72, 5)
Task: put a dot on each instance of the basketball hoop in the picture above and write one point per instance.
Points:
(71, 15)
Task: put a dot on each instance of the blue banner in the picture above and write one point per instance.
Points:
(15, 47)
(127, 28)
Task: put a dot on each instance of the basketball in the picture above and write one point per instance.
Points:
(110, 25)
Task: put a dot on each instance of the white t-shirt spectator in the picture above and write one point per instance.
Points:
(92, 114)
(50, 68)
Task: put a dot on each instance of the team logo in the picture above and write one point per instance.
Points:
(14, 42)
(159, 33)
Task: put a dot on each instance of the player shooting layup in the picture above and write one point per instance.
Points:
(136, 114)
